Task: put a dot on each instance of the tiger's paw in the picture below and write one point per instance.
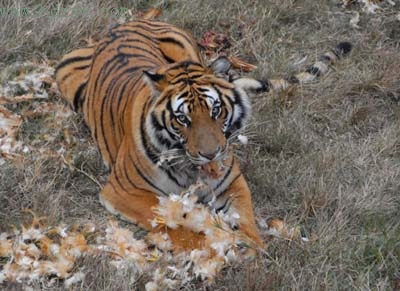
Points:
(176, 240)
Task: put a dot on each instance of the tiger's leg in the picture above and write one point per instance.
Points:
(135, 205)
(239, 195)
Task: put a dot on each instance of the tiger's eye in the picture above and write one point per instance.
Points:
(182, 119)
(216, 111)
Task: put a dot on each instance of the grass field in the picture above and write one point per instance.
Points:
(324, 156)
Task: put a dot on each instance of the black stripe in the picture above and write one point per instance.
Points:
(185, 78)
(163, 118)
(171, 40)
(196, 76)
(238, 99)
(155, 123)
(159, 128)
(169, 108)
(122, 94)
(117, 178)
(225, 192)
(113, 186)
(265, 86)
(233, 181)
(78, 98)
(104, 45)
(180, 33)
(153, 157)
(123, 33)
(183, 95)
(326, 58)
(72, 60)
(231, 104)
(111, 92)
(223, 87)
(293, 80)
(84, 67)
(238, 102)
(129, 179)
(185, 65)
(143, 176)
(102, 127)
(66, 76)
(107, 98)
(170, 175)
(136, 86)
(149, 149)
(114, 85)
(129, 46)
(226, 176)
(313, 71)
(227, 204)
(168, 59)
(103, 71)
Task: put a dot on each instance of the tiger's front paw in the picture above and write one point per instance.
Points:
(177, 240)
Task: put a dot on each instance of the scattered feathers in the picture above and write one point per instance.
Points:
(37, 251)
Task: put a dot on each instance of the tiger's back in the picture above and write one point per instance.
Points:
(104, 80)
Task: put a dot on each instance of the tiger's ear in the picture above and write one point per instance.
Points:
(156, 81)
(221, 65)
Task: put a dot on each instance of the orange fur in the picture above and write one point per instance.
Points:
(128, 87)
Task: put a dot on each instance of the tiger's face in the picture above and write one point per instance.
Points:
(199, 120)
(195, 111)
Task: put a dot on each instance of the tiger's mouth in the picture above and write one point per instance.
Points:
(211, 168)
(202, 159)
(182, 160)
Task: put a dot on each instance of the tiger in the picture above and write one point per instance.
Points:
(163, 119)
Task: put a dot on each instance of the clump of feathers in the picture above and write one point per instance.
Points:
(37, 251)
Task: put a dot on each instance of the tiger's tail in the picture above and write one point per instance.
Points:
(315, 70)
(72, 74)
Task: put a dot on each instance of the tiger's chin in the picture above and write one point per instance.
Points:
(211, 169)
(214, 169)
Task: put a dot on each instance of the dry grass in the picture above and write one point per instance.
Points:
(325, 156)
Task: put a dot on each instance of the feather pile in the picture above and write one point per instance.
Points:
(37, 251)
(30, 85)
(368, 6)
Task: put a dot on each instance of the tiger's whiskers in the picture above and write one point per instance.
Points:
(170, 155)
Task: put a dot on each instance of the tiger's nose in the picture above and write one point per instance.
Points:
(210, 155)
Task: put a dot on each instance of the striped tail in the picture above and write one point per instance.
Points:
(72, 74)
(317, 69)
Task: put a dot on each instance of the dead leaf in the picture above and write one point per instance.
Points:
(279, 228)
(9, 122)
(213, 42)
(347, 3)
(17, 99)
(61, 111)
(47, 80)
(89, 41)
(10, 156)
(68, 136)
(152, 13)
(242, 65)
(355, 20)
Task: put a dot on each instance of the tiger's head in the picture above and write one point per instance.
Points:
(196, 109)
